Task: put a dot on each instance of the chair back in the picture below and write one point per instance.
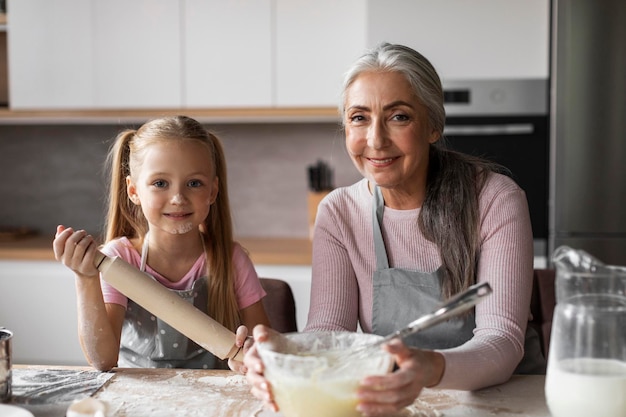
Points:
(280, 305)
(542, 305)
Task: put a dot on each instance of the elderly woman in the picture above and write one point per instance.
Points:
(423, 224)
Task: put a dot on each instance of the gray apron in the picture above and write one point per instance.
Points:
(149, 342)
(401, 296)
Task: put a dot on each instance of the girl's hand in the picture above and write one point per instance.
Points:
(242, 341)
(387, 394)
(76, 250)
(260, 386)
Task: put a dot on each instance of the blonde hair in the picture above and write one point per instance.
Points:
(124, 218)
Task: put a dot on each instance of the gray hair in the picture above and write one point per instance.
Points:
(418, 71)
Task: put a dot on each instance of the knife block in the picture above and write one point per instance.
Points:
(313, 200)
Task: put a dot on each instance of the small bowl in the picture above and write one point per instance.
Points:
(87, 407)
(308, 381)
(5, 364)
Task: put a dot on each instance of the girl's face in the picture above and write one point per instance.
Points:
(387, 131)
(175, 186)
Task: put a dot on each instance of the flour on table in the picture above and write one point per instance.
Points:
(182, 393)
(221, 381)
(430, 403)
(419, 409)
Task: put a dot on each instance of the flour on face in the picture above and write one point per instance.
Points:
(178, 199)
(183, 228)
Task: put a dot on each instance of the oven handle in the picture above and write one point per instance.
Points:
(489, 129)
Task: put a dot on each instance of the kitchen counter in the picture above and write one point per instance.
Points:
(208, 393)
(266, 251)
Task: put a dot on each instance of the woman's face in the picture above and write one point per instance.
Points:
(387, 131)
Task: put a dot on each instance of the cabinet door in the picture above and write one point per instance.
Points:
(227, 53)
(468, 39)
(316, 41)
(39, 306)
(50, 54)
(137, 62)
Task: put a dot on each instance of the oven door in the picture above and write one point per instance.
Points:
(520, 143)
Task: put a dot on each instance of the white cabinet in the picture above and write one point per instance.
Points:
(227, 53)
(77, 54)
(468, 39)
(129, 54)
(182, 54)
(50, 56)
(299, 279)
(137, 55)
(38, 303)
(316, 41)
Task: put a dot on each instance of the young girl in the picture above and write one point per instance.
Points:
(169, 216)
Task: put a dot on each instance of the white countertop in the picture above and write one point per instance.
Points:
(208, 393)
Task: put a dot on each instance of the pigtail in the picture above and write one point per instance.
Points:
(124, 218)
(222, 304)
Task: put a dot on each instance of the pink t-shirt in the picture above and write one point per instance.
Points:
(248, 288)
(344, 262)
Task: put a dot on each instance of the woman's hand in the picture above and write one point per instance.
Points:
(76, 250)
(260, 386)
(243, 342)
(386, 394)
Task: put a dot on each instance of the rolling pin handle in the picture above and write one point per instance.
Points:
(99, 258)
(237, 355)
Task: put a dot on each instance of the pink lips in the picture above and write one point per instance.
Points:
(178, 215)
(381, 162)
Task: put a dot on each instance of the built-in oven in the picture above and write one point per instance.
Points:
(507, 122)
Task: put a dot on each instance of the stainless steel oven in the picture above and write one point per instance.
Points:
(507, 122)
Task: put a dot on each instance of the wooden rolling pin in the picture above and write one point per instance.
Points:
(168, 306)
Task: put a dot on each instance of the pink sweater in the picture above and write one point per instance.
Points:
(344, 261)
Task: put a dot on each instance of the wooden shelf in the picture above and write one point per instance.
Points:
(123, 116)
(262, 251)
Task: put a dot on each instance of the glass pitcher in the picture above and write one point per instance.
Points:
(586, 374)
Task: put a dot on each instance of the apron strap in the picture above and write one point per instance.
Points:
(144, 253)
(145, 246)
(377, 218)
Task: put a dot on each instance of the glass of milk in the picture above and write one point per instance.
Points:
(586, 373)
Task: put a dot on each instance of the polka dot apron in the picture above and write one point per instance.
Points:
(149, 342)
